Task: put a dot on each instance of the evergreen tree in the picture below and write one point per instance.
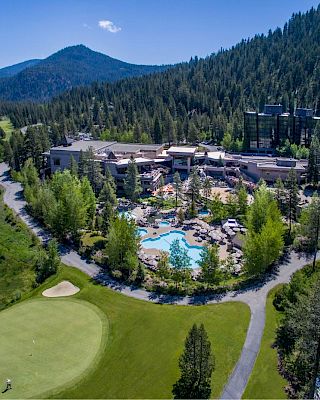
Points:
(89, 201)
(194, 184)
(82, 165)
(93, 172)
(280, 195)
(310, 225)
(107, 194)
(161, 186)
(292, 197)
(132, 185)
(196, 366)
(73, 166)
(8, 154)
(177, 185)
(314, 161)
(207, 188)
(298, 341)
(169, 128)
(157, 133)
(107, 215)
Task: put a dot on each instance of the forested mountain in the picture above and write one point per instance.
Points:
(205, 97)
(70, 67)
(12, 70)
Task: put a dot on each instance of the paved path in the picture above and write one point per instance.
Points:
(254, 297)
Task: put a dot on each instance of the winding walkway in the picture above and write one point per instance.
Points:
(254, 297)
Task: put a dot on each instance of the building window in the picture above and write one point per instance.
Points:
(56, 161)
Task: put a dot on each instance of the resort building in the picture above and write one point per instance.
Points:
(182, 158)
(114, 155)
(263, 132)
(154, 161)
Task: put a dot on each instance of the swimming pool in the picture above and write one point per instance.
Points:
(142, 231)
(163, 242)
(204, 212)
(164, 224)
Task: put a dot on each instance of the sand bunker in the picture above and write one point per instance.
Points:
(64, 288)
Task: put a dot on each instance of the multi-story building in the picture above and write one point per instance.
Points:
(116, 156)
(153, 161)
(263, 132)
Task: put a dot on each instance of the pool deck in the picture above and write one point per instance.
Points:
(189, 236)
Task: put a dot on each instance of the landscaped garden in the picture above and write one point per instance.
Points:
(88, 339)
(203, 244)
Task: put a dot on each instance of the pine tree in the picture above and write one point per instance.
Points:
(207, 187)
(196, 366)
(280, 195)
(108, 194)
(292, 197)
(310, 225)
(177, 185)
(314, 161)
(82, 165)
(298, 341)
(107, 215)
(132, 185)
(73, 166)
(93, 173)
(194, 184)
(157, 133)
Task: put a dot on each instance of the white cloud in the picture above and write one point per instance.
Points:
(86, 26)
(109, 26)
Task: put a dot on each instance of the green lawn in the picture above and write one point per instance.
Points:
(265, 381)
(145, 340)
(46, 343)
(18, 251)
(7, 126)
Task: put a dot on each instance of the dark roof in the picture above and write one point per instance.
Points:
(112, 146)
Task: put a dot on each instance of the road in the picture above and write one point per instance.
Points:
(254, 297)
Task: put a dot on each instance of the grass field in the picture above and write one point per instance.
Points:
(18, 251)
(144, 342)
(47, 343)
(140, 359)
(265, 381)
(7, 126)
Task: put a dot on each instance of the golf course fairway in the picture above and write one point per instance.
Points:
(48, 343)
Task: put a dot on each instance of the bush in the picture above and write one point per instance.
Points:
(116, 274)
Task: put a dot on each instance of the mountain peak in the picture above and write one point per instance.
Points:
(72, 66)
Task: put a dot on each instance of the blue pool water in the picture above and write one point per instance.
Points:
(164, 224)
(163, 241)
(203, 212)
(142, 231)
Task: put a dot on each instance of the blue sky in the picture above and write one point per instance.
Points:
(137, 31)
